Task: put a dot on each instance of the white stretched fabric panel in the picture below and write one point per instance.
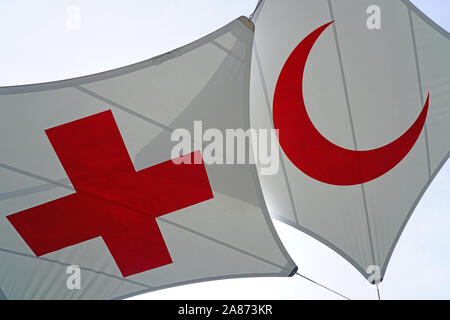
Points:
(363, 88)
(228, 236)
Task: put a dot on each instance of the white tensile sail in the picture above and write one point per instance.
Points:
(73, 193)
(346, 83)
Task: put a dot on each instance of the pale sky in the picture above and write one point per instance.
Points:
(40, 43)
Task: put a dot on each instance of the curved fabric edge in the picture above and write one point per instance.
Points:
(258, 10)
(427, 19)
(288, 270)
(324, 242)
(396, 239)
(270, 224)
(291, 273)
(408, 3)
(405, 222)
(77, 81)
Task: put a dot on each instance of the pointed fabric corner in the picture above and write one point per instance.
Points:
(2, 295)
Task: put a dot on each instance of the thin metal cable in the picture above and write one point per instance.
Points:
(323, 286)
(378, 292)
(254, 11)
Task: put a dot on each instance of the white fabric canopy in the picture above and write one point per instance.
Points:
(227, 235)
(363, 88)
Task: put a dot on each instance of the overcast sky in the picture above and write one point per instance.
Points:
(40, 42)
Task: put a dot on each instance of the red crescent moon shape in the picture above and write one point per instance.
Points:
(309, 150)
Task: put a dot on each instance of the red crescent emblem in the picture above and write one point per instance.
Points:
(309, 150)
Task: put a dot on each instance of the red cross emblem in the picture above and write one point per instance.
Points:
(112, 200)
